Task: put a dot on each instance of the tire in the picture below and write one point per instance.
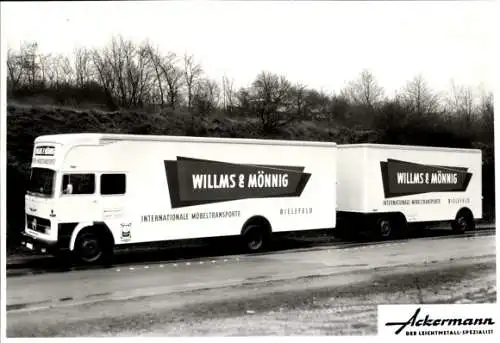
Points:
(255, 238)
(91, 248)
(385, 228)
(462, 223)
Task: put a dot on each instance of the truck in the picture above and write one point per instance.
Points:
(389, 189)
(89, 193)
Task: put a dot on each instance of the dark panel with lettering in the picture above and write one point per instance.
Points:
(194, 181)
(406, 178)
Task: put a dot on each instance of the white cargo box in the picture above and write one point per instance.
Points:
(141, 189)
(424, 184)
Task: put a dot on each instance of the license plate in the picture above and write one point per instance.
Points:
(29, 246)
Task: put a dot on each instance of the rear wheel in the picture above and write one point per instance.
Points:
(463, 222)
(255, 238)
(385, 228)
(391, 226)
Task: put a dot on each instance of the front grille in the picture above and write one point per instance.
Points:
(37, 224)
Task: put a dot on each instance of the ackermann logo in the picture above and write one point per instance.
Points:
(195, 182)
(402, 178)
(435, 322)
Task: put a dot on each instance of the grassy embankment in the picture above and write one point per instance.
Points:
(29, 118)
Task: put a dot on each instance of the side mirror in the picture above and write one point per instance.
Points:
(68, 189)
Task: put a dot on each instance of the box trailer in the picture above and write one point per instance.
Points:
(88, 193)
(387, 187)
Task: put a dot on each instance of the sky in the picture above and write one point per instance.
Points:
(318, 43)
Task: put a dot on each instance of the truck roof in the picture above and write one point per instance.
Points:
(404, 147)
(102, 138)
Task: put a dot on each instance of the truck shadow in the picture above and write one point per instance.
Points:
(199, 250)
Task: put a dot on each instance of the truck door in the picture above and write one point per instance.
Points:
(78, 200)
(113, 203)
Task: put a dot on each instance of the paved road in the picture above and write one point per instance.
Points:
(32, 263)
(154, 279)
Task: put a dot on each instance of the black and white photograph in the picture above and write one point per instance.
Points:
(248, 168)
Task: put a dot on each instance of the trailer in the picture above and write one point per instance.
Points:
(387, 188)
(89, 193)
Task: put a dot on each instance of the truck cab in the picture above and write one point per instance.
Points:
(40, 199)
(63, 196)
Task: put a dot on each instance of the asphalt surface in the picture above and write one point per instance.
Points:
(30, 263)
(217, 295)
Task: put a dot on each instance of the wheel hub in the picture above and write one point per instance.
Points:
(385, 228)
(90, 249)
(255, 241)
(462, 223)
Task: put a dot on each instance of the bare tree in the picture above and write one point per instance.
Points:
(270, 97)
(228, 94)
(207, 96)
(213, 92)
(192, 72)
(139, 74)
(30, 63)
(67, 73)
(115, 58)
(51, 70)
(83, 67)
(14, 68)
(46, 64)
(125, 71)
(417, 97)
(156, 62)
(298, 94)
(487, 113)
(364, 91)
(243, 100)
(173, 76)
(167, 74)
(101, 62)
(462, 102)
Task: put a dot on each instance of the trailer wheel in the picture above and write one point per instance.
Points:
(385, 228)
(463, 222)
(92, 248)
(255, 238)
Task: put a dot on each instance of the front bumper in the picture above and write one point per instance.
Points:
(38, 245)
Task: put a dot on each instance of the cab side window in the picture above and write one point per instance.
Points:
(78, 184)
(113, 184)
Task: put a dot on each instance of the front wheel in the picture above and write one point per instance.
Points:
(90, 248)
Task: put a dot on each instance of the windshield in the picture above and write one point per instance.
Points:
(41, 182)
